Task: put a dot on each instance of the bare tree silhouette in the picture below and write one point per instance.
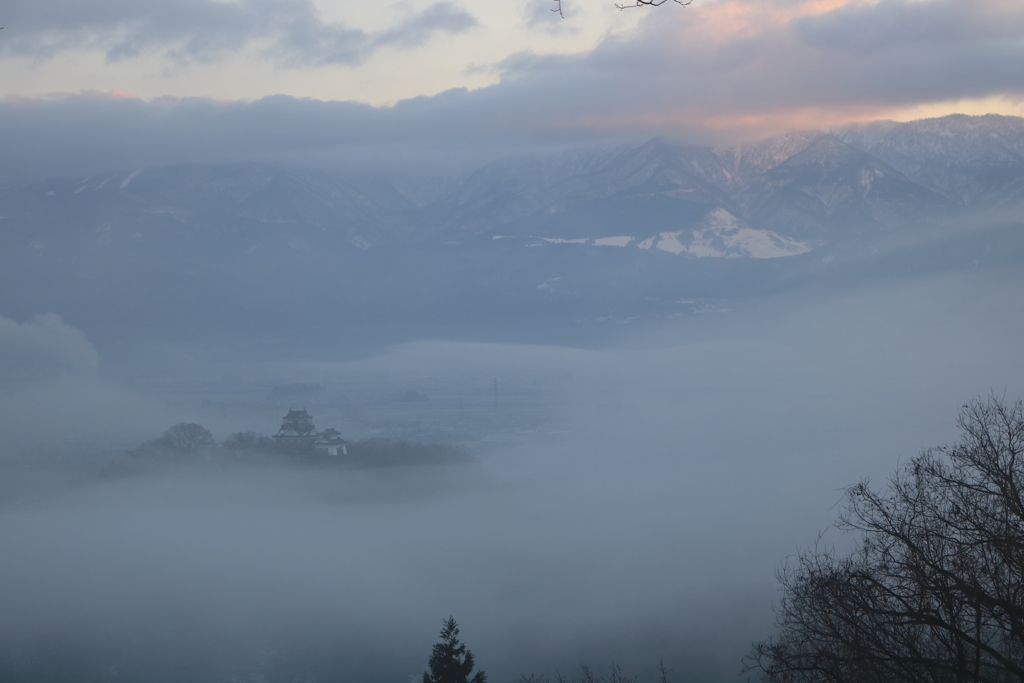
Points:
(934, 590)
(630, 5)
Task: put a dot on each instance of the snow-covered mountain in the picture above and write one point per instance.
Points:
(970, 159)
(722, 234)
(719, 234)
(801, 185)
(613, 226)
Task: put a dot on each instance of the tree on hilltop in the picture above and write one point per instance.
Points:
(188, 436)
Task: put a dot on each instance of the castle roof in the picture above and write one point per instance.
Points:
(330, 437)
(298, 425)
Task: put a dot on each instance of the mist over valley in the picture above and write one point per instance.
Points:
(584, 398)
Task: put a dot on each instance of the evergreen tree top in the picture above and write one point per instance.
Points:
(450, 661)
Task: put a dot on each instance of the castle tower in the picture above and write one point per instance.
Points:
(297, 429)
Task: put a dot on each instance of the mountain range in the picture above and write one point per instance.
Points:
(597, 233)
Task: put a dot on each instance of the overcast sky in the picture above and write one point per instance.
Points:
(117, 83)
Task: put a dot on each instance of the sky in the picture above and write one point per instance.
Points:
(117, 83)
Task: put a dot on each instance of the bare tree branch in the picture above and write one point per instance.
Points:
(934, 592)
(630, 5)
(652, 3)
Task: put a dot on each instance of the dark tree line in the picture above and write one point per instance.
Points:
(934, 591)
(187, 440)
(184, 437)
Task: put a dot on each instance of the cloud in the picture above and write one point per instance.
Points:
(52, 393)
(416, 30)
(541, 15)
(862, 29)
(741, 58)
(43, 348)
(289, 32)
(714, 71)
(93, 131)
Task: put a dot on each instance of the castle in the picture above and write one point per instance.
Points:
(298, 433)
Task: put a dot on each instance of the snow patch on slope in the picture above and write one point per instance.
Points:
(130, 178)
(719, 235)
(618, 241)
(669, 241)
(722, 235)
(703, 246)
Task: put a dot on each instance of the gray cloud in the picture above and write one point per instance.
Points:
(900, 51)
(43, 348)
(204, 30)
(543, 15)
(90, 132)
(671, 78)
(905, 52)
(416, 30)
(861, 29)
(52, 393)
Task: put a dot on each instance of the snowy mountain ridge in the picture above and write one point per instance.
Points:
(608, 233)
(810, 185)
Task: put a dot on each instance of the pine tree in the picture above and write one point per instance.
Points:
(450, 661)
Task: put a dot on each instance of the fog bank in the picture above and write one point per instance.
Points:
(645, 522)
